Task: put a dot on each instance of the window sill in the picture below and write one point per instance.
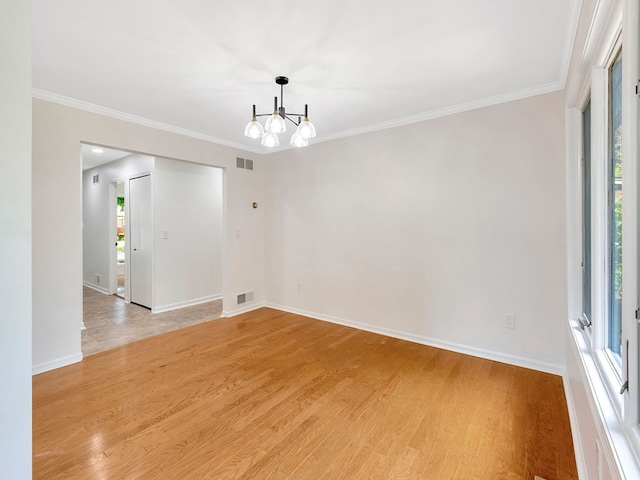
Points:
(616, 438)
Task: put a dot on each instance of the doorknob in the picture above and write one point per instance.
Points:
(135, 249)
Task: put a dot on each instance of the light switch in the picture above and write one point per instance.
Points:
(165, 234)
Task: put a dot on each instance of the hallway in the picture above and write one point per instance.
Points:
(111, 322)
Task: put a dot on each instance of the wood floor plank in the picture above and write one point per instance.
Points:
(275, 395)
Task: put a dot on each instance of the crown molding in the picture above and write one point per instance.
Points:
(398, 122)
(443, 112)
(572, 30)
(127, 117)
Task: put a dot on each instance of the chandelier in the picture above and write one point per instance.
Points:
(276, 123)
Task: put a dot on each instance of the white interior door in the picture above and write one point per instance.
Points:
(139, 238)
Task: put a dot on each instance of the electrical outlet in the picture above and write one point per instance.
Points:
(509, 321)
(299, 288)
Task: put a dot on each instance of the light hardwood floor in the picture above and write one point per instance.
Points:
(272, 395)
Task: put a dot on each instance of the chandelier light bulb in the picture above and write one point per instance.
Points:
(298, 140)
(270, 139)
(306, 129)
(254, 129)
(275, 124)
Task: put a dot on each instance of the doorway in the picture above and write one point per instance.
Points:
(121, 234)
(153, 240)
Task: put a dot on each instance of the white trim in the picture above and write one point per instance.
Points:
(575, 430)
(432, 342)
(96, 287)
(186, 303)
(599, 189)
(127, 117)
(607, 19)
(57, 363)
(240, 311)
(572, 29)
(573, 125)
(398, 122)
(443, 112)
(616, 444)
(630, 214)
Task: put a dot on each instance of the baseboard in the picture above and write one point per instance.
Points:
(240, 311)
(96, 287)
(575, 430)
(57, 363)
(188, 303)
(432, 342)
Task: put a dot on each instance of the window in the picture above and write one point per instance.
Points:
(614, 209)
(604, 188)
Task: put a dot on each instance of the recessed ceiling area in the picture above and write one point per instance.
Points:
(361, 65)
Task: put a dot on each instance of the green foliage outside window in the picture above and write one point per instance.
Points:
(617, 213)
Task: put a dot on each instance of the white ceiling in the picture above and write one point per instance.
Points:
(93, 155)
(360, 64)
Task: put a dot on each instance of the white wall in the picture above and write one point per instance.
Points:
(58, 131)
(98, 236)
(433, 231)
(187, 203)
(15, 240)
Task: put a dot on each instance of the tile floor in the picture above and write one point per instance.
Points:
(111, 322)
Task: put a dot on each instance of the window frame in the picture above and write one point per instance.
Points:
(608, 367)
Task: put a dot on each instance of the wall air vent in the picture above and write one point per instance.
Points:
(245, 297)
(96, 179)
(244, 163)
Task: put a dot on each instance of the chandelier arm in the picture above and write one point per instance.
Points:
(292, 120)
(264, 114)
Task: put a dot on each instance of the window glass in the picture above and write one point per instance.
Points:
(615, 208)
